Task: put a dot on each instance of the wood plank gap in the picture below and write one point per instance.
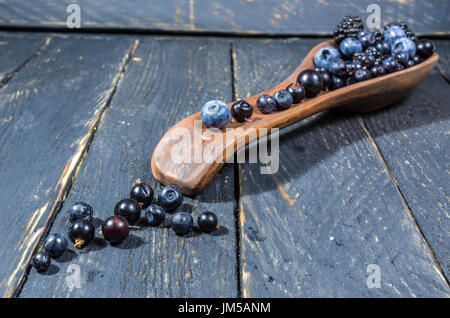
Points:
(72, 172)
(237, 190)
(396, 184)
(8, 76)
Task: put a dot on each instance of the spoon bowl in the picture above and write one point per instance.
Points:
(189, 155)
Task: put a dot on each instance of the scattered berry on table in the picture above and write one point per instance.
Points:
(350, 46)
(311, 81)
(41, 262)
(207, 222)
(362, 75)
(215, 113)
(181, 223)
(325, 56)
(170, 198)
(336, 82)
(283, 99)
(366, 38)
(425, 48)
(142, 193)
(80, 211)
(297, 91)
(348, 27)
(115, 229)
(81, 233)
(241, 111)
(154, 214)
(129, 209)
(404, 45)
(266, 104)
(55, 245)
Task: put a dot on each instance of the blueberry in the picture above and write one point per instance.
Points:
(41, 261)
(425, 48)
(154, 214)
(383, 47)
(241, 110)
(207, 221)
(404, 45)
(181, 223)
(336, 82)
(129, 209)
(142, 193)
(350, 46)
(80, 211)
(326, 77)
(81, 233)
(215, 113)
(338, 68)
(266, 104)
(297, 91)
(283, 99)
(377, 70)
(115, 229)
(170, 198)
(410, 63)
(394, 33)
(362, 75)
(311, 81)
(325, 56)
(402, 58)
(55, 245)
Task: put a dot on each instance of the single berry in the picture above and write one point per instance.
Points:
(417, 59)
(241, 110)
(80, 211)
(115, 229)
(326, 77)
(350, 46)
(338, 68)
(325, 55)
(362, 75)
(55, 245)
(391, 65)
(154, 214)
(377, 70)
(215, 113)
(297, 91)
(311, 81)
(383, 47)
(336, 82)
(142, 193)
(41, 261)
(404, 45)
(394, 33)
(410, 63)
(283, 99)
(366, 38)
(425, 48)
(402, 58)
(207, 221)
(367, 60)
(266, 104)
(81, 233)
(181, 223)
(170, 198)
(129, 209)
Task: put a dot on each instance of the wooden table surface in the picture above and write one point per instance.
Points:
(80, 115)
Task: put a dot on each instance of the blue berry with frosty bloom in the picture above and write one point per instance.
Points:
(404, 45)
(325, 56)
(394, 33)
(216, 113)
(366, 38)
(350, 46)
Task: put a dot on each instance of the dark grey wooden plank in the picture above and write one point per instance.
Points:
(413, 137)
(168, 78)
(15, 50)
(53, 105)
(241, 16)
(312, 228)
(443, 48)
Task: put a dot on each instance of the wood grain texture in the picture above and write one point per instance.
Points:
(15, 51)
(53, 106)
(332, 209)
(167, 79)
(443, 48)
(413, 138)
(231, 16)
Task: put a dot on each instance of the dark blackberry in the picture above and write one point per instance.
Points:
(373, 51)
(379, 35)
(348, 27)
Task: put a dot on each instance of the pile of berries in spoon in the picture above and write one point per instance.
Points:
(359, 55)
(116, 228)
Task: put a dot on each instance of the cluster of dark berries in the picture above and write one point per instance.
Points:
(116, 228)
(348, 27)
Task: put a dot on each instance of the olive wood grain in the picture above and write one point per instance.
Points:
(361, 97)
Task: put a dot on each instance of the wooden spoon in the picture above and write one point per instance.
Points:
(365, 96)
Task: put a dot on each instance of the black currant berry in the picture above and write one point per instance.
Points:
(142, 193)
(425, 48)
(115, 229)
(297, 91)
(129, 209)
(241, 111)
(207, 221)
(41, 262)
(311, 81)
(81, 233)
